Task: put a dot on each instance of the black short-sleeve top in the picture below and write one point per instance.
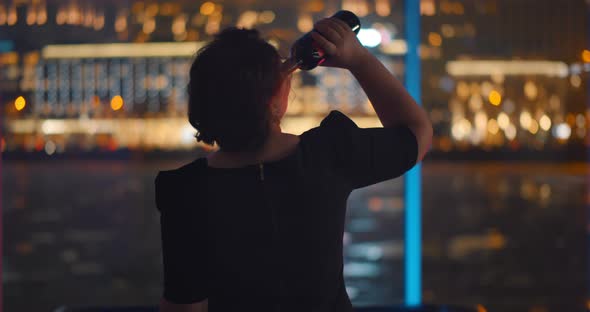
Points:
(269, 237)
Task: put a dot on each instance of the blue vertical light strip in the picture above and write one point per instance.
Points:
(588, 152)
(413, 239)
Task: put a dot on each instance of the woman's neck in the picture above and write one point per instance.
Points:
(276, 145)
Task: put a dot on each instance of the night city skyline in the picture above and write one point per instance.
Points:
(94, 105)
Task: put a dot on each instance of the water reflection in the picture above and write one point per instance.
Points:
(511, 237)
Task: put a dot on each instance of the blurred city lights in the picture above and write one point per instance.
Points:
(493, 126)
(53, 126)
(486, 87)
(359, 7)
(214, 23)
(248, 19)
(42, 16)
(576, 81)
(314, 5)
(369, 37)
(427, 7)
(447, 30)
(534, 127)
(461, 129)
(497, 77)
(510, 132)
(554, 102)
(562, 131)
(503, 120)
(152, 9)
(3, 15)
(495, 98)
(506, 68)
(121, 50)
(121, 22)
(12, 16)
(179, 25)
(50, 147)
(469, 114)
(207, 8)
(481, 121)
(434, 39)
(545, 122)
(530, 90)
(475, 102)
(586, 56)
(394, 47)
(149, 26)
(580, 120)
(31, 15)
(99, 21)
(116, 102)
(382, 7)
(463, 89)
(305, 23)
(20, 103)
(545, 191)
(481, 308)
(266, 17)
(525, 119)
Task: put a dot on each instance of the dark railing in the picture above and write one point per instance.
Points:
(422, 308)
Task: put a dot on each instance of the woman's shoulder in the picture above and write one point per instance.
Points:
(332, 129)
(180, 174)
(337, 119)
(174, 185)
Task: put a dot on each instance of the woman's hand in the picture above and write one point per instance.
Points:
(339, 42)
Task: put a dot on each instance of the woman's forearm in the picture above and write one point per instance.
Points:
(392, 103)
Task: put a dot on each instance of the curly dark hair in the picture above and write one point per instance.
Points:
(232, 80)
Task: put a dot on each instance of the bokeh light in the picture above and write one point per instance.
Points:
(207, 8)
(369, 37)
(434, 39)
(495, 98)
(116, 102)
(20, 103)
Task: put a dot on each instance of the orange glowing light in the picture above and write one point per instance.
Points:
(112, 145)
(20, 103)
(315, 6)
(570, 119)
(434, 39)
(207, 8)
(24, 248)
(39, 144)
(481, 308)
(95, 101)
(375, 204)
(495, 98)
(116, 102)
(586, 56)
(496, 240)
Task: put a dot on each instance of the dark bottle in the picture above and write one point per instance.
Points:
(306, 55)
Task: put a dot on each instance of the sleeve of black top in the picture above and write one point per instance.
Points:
(365, 156)
(182, 243)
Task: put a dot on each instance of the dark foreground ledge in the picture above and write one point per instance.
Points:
(422, 308)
